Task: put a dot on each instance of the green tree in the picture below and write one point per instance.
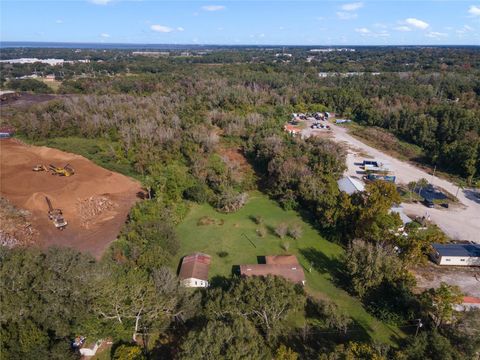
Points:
(439, 303)
(230, 340)
(368, 265)
(285, 353)
(128, 352)
(266, 301)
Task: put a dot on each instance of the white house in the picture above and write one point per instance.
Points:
(456, 254)
(194, 270)
(350, 185)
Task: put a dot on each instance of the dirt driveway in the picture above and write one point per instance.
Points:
(460, 223)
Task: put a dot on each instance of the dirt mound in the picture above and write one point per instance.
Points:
(95, 202)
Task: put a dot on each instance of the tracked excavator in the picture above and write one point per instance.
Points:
(67, 170)
(56, 216)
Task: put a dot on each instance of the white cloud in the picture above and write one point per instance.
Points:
(474, 10)
(180, 28)
(161, 28)
(100, 2)
(419, 24)
(213, 7)
(346, 15)
(363, 30)
(465, 29)
(402, 28)
(105, 35)
(352, 6)
(436, 34)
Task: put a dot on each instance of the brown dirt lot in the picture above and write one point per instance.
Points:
(95, 202)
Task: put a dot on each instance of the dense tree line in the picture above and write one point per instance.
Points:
(170, 127)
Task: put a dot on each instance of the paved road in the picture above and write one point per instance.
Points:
(460, 223)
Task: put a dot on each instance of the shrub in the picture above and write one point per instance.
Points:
(258, 219)
(222, 254)
(281, 230)
(295, 231)
(261, 231)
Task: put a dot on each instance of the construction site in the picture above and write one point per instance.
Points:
(56, 198)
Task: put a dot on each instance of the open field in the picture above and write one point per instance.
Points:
(95, 202)
(466, 278)
(236, 234)
(459, 223)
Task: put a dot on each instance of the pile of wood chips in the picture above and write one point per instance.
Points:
(91, 208)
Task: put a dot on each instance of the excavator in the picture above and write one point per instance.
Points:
(56, 216)
(67, 170)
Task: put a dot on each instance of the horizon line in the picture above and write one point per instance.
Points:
(7, 42)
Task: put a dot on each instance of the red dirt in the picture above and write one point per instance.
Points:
(236, 160)
(27, 189)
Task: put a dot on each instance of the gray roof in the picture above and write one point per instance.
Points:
(399, 210)
(350, 185)
(471, 250)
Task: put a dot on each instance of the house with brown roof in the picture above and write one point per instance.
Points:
(194, 270)
(286, 266)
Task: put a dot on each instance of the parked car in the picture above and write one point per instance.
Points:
(428, 203)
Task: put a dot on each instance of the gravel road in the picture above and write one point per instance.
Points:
(459, 223)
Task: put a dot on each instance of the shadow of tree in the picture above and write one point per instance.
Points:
(325, 265)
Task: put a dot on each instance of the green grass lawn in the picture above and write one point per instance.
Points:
(236, 235)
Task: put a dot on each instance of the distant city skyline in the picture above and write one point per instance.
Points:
(243, 22)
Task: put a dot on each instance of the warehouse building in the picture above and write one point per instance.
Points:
(456, 254)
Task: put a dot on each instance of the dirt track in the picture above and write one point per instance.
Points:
(27, 190)
(461, 223)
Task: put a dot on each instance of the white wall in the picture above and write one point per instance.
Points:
(192, 282)
(459, 261)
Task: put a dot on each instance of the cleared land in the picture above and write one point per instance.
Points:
(94, 201)
(432, 275)
(236, 235)
(459, 223)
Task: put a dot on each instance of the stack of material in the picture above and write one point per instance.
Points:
(15, 229)
(91, 208)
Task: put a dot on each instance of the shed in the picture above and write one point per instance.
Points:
(468, 303)
(456, 254)
(194, 270)
(350, 185)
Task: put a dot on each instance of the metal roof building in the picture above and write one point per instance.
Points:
(350, 185)
(457, 254)
(194, 270)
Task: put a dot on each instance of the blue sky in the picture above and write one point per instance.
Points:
(243, 22)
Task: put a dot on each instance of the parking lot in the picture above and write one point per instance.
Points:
(460, 222)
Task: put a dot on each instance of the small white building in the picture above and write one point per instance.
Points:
(350, 185)
(468, 303)
(456, 254)
(194, 270)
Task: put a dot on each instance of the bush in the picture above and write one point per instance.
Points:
(295, 231)
(231, 201)
(258, 219)
(281, 230)
(261, 232)
(222, 254)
